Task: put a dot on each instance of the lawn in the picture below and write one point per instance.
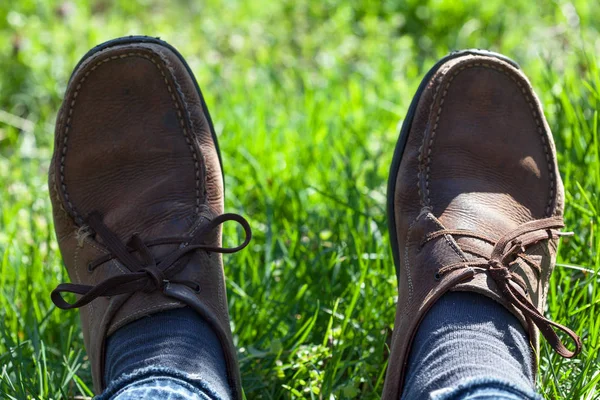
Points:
(307, 97)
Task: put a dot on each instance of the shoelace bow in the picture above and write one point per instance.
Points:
(505, 252)
(147, 274)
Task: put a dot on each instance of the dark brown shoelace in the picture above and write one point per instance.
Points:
(505, 251)
(147, 274)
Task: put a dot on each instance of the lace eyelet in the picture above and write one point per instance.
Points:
(437, 276)
(89, 267)
(197, 289)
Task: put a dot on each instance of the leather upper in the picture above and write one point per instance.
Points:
(479, 157)
(134, 145)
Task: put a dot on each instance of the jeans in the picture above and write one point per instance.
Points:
(468, 347)
(159, 384)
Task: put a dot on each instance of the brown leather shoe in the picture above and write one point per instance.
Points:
(475, 200)
(137, 193)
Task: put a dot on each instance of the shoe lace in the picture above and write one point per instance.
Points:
(500, 265)
(147, 273)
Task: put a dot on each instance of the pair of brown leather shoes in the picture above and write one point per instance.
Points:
(475, 198)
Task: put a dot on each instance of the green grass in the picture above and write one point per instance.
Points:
(307, 99)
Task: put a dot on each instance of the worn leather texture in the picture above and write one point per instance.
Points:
(479, 157)
(133, 143)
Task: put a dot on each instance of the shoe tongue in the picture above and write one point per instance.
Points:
(472, 248)
(174, 228)
(441, 251)
(484, 221)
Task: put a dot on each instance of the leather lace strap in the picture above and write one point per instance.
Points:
(147, 274)
(510, 246)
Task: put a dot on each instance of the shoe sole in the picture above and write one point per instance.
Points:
(403, 137)
(147, 39)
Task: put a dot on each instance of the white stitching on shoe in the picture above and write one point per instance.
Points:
(407, 263)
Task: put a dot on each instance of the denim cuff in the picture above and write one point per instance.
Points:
(485, 389)
(150, 377)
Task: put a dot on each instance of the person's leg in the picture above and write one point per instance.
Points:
(175, 350)
(468, 343)
(475, 205)
(136, 186)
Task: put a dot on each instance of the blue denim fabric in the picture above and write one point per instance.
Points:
(470, 347)
(485, 389)
(160, 388)
(159, 383)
